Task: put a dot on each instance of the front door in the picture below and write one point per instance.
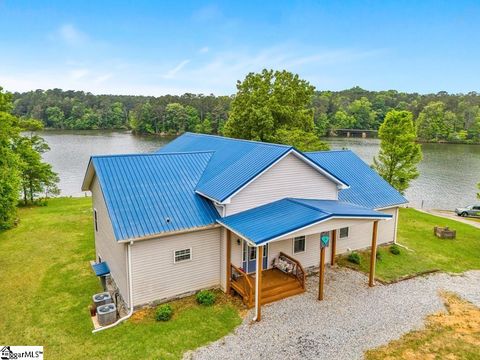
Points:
(249, 258)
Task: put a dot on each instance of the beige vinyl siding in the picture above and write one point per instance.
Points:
(157, 277)
(360, 236)
(106, 246)
(309, 258)
(290, 177)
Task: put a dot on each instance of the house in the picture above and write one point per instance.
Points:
(208, 211)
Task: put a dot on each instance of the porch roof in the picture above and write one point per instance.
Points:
(268, 222)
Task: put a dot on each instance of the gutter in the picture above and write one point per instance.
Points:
(130, 293)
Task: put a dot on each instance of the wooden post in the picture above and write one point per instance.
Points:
(373, 255)
(321, 273)
(258, 289)
(334, 246)
(229, 261)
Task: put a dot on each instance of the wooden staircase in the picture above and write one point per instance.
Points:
(290, 287)
(276, 285)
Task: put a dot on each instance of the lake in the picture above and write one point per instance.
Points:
(448, 172)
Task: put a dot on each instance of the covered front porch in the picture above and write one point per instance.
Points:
(271, 227)
(275, 284)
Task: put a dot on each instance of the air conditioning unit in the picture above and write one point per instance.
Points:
(106, 314)
(101, 299)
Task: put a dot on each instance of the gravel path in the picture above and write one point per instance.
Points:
(351, 319)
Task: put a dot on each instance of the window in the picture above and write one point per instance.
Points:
(344, 232)
(95, 219)
(182, 255)
(299, 244)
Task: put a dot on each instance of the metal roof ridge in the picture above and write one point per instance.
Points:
(153, 154)
(298, 201)
(328, 151)
(240, 140)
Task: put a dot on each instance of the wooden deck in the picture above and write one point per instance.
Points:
(276, 285)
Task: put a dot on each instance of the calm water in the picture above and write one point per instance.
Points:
(448, 173)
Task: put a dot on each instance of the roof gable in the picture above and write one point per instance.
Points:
(367, 188)
(235, 162)
(152, 194)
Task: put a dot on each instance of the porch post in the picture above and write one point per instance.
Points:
(321, 273)
(258, 284)
(373, 254)
(229, 262)
(334, 247)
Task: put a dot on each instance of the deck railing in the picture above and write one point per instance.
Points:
(298, 270)
(242, 284)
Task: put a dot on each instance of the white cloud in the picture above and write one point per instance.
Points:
(71, 35)
(204, 50)
(77, 74)
(173, 72)
(102, 78)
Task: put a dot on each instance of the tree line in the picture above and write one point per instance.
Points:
(23, 173)
(437, 117)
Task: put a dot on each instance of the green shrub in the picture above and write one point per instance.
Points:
(164, 312)
(395, 249)
(206, 297)
(379, 256)
(354, 257)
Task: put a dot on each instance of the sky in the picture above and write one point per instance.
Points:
(173, 47)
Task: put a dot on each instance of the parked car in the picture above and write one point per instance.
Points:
(471, 210)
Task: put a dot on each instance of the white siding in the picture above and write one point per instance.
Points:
(106, 246)
(157, 277)
(309, 258)
(290, 177)
(360, 236)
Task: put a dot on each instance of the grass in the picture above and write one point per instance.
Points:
(415, 230)
(46, 285)
(454, 334)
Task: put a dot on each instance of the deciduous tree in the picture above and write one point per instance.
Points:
(270, 104)
(399, 153)
(9, 161)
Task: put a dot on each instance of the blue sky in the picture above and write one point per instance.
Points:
(160, 47)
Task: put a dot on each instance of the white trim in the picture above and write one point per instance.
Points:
(304, 244)
(175, 261)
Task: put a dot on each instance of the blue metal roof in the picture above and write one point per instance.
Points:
(150, 194)
(367, 188)
(234, 163)
(101, 268)
(282, 217)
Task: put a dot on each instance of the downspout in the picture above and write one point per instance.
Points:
(130, 292)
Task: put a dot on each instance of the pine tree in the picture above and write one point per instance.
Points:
(399, 154)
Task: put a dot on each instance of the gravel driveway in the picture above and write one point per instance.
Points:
(351, 319)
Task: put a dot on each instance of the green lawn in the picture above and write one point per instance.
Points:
(46, 285)
(415, 230)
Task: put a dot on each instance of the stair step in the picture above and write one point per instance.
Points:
(285, 282)
(279, 296)
(280, 289)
